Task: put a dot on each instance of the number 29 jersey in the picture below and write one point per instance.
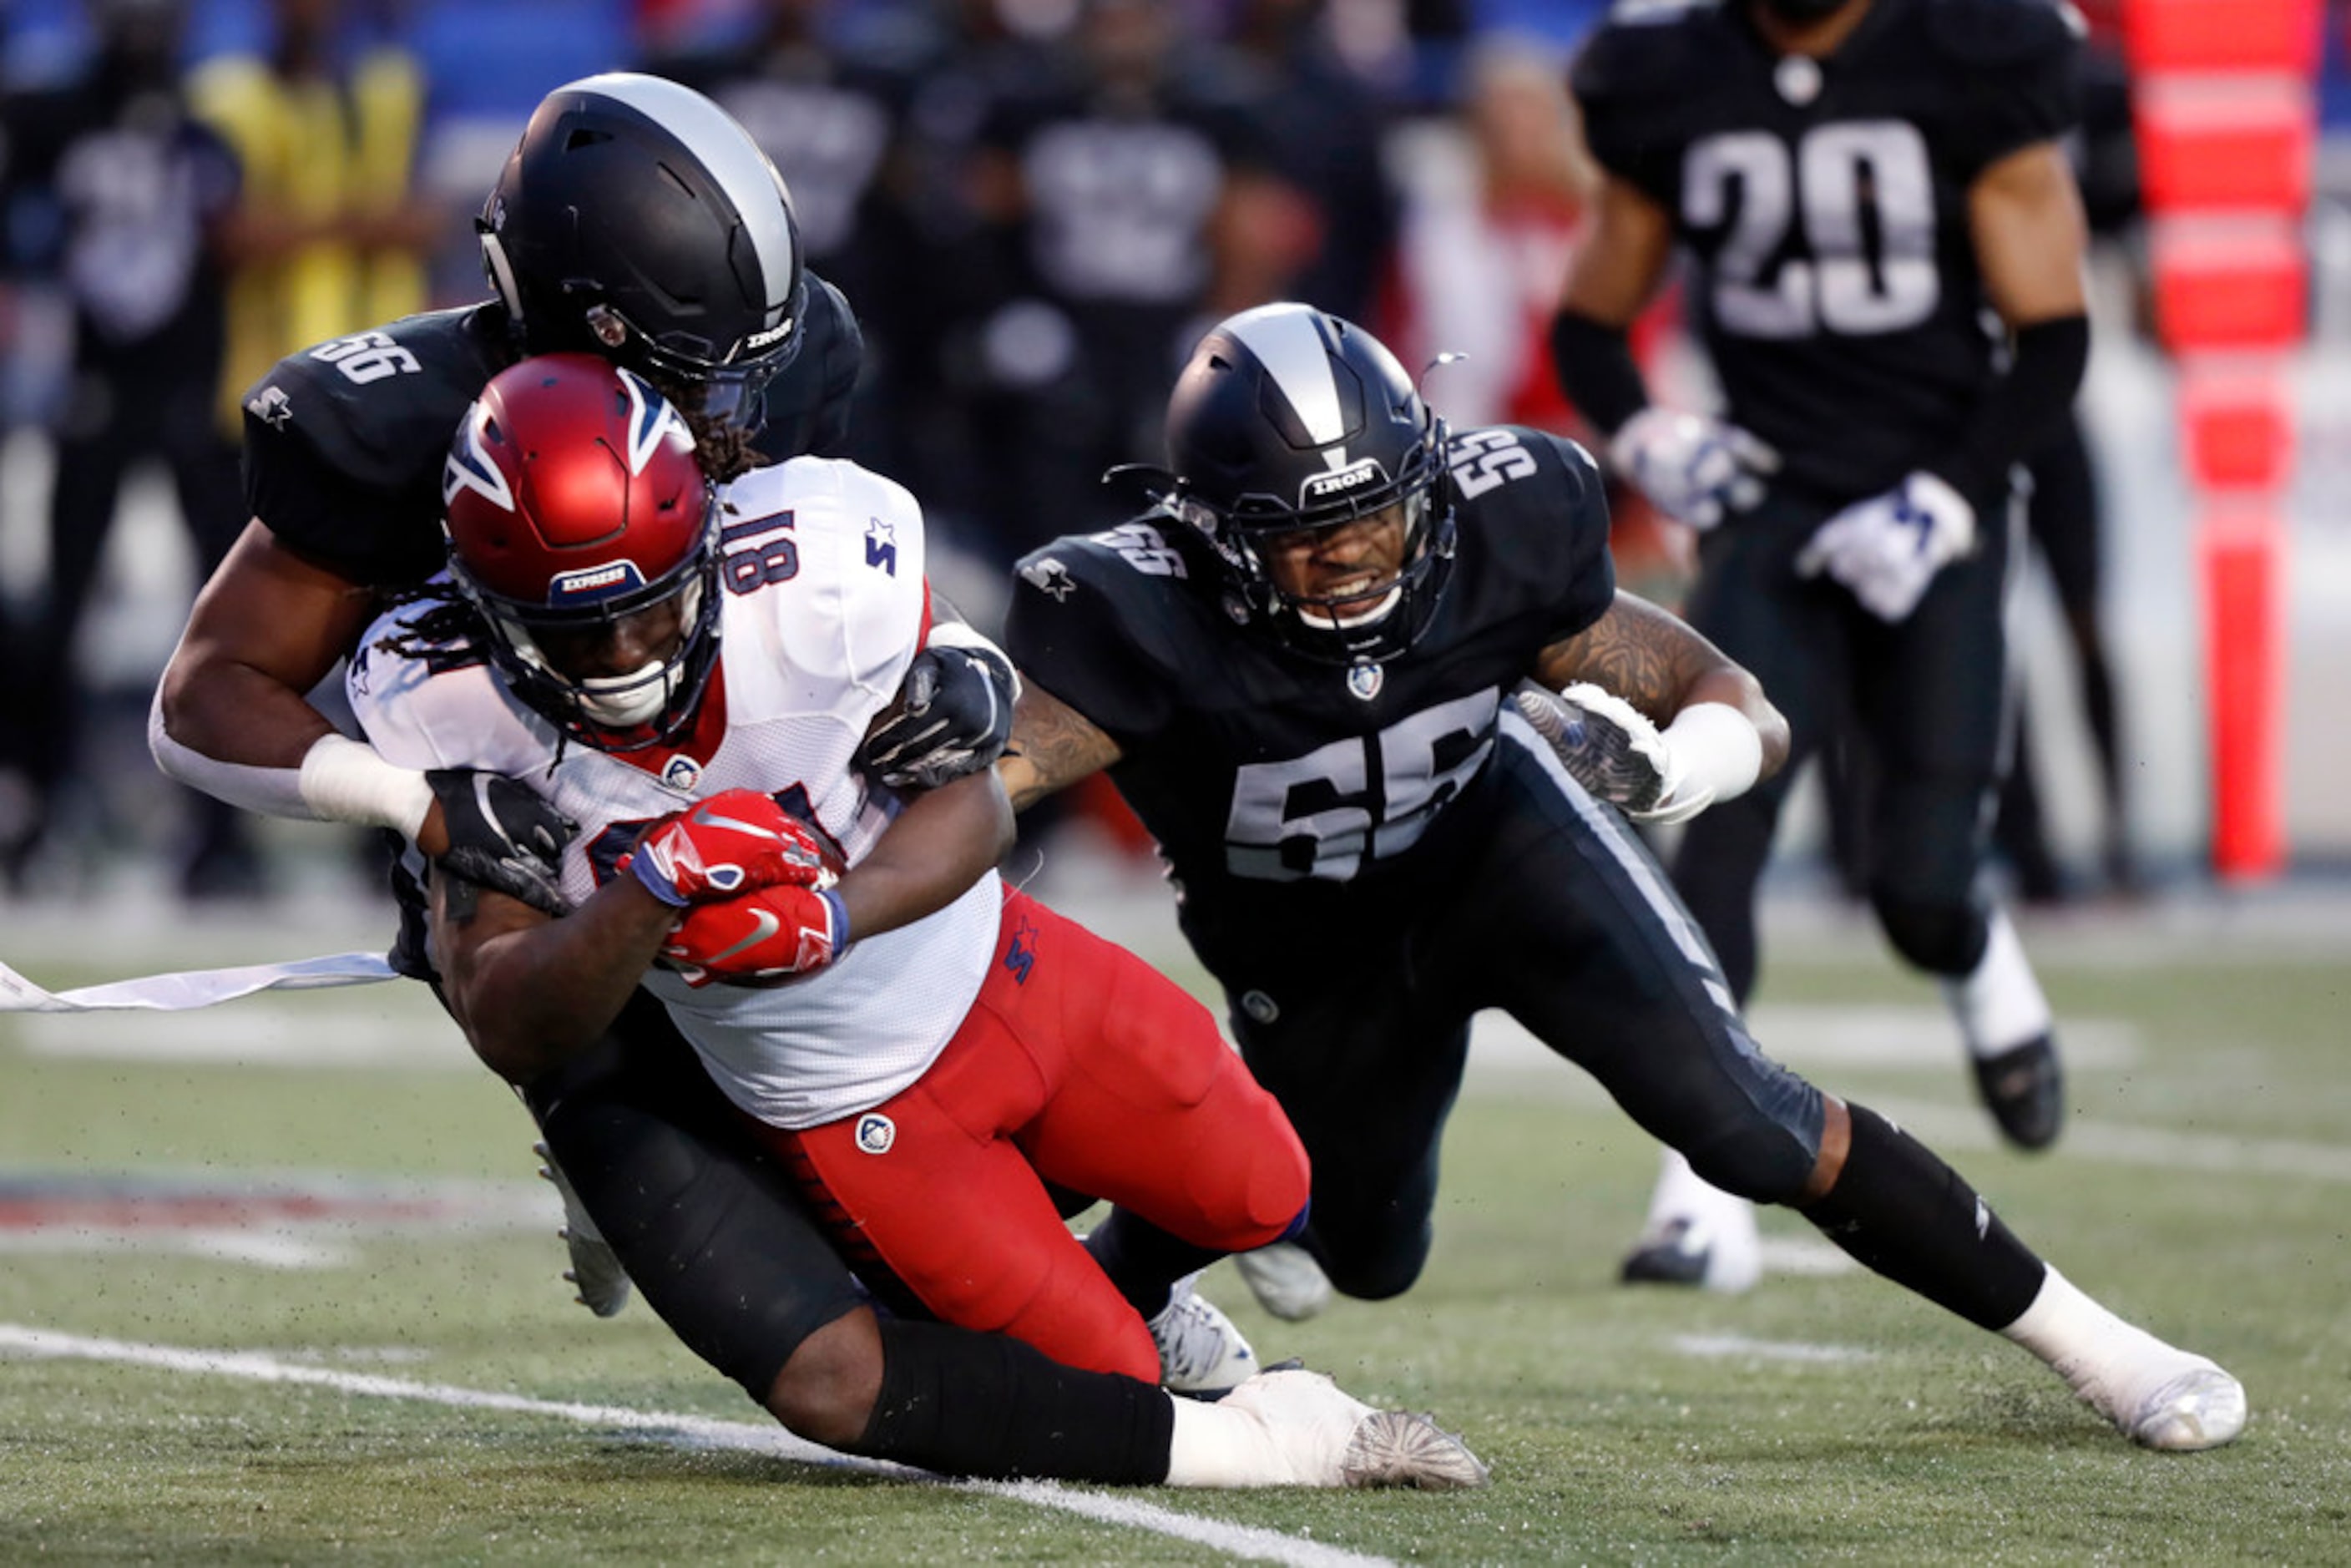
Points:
(1825, 205)
(1290, 796)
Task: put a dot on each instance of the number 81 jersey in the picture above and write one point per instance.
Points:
(1825, 203)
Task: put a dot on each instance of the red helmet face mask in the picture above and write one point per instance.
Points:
(575, 509)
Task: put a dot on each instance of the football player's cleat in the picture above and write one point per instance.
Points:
(595, 1272)
(1286, 1280)
(1200, 1351)
(2157, 1395)
(2024, 1090)
(1304, 1430)
(1728, 1257)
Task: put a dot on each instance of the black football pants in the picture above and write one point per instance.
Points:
(1552, 911)
(1925, 699)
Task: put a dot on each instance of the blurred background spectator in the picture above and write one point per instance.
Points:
(122, 200)
(1032, 204)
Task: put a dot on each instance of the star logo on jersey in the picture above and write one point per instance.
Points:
(1020, 953)
(876, 1133)
(1366, 680)
(882, 544)
(271, 406)
(1051, 578)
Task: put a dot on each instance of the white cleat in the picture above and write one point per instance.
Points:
(1310, 1432)
(595, 1272)
(1286, 1280)
(1200, 1351)
(2180, 1404)
(2155, 1394)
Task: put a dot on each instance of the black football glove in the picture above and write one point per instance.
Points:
(955, 717)
(503, 837)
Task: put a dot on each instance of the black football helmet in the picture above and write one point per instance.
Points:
(637, 220)
(1285, 419)
(571, 499)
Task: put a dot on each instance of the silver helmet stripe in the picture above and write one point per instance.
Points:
(750, 181)
(1289, 340)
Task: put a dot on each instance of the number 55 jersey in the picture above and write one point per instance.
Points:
(1284, 791)
(1825, 204)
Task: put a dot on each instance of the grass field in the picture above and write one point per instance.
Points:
(276, 1284)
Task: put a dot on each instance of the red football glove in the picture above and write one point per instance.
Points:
(761, 938)
(730, 843)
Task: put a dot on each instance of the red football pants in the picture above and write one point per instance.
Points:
(1082, 1064)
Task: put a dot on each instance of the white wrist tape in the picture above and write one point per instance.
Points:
(1715, 747)
(344, 781)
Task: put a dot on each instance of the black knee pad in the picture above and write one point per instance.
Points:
(1765, 1164)
(1375, 1268)
(1942, 938)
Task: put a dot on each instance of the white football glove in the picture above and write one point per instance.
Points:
(1692, 468)
(1887, 549)
(1610, 748)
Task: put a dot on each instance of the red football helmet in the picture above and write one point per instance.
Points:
(573, 500)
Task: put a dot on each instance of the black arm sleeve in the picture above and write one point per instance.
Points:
(1596, 371)
(2023, 410)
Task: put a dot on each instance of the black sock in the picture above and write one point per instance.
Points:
(966, 1404)
(1902, 1211)
(1144, 1261)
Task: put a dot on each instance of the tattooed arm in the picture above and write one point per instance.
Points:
(1656, 662)
(1053, 747)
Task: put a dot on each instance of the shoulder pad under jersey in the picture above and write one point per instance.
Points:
(1643, 47)
(1985, 35)
(375, 407)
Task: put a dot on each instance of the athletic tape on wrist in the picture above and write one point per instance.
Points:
(1718, 748)
(344, 781)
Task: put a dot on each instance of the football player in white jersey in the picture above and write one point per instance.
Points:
(691, 675)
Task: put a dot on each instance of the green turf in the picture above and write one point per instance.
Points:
(1611, 1441)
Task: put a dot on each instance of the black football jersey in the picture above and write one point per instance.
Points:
(344, 441)
(1279, 787)
(1824, 206)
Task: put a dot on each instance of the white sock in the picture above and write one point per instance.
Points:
(1998, 1006)
(2104, 1358)
(1214, 1447)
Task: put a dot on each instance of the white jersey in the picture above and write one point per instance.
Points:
(823, 610)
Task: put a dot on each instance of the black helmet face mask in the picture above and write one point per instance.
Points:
(1301, 448)
(636, 220)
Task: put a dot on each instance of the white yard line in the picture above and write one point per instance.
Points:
(1235, 1541)
(1721, 1346)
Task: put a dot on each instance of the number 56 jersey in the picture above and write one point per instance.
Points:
(1825, 202)
(824, 607)
(1292, 797)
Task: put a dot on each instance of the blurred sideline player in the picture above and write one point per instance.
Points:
(635, 221)
(922, 1047)
(1867, 181)
(1325, 668)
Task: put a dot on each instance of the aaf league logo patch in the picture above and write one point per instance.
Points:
(876, 1133)
(1366, 680)
(682, 772)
